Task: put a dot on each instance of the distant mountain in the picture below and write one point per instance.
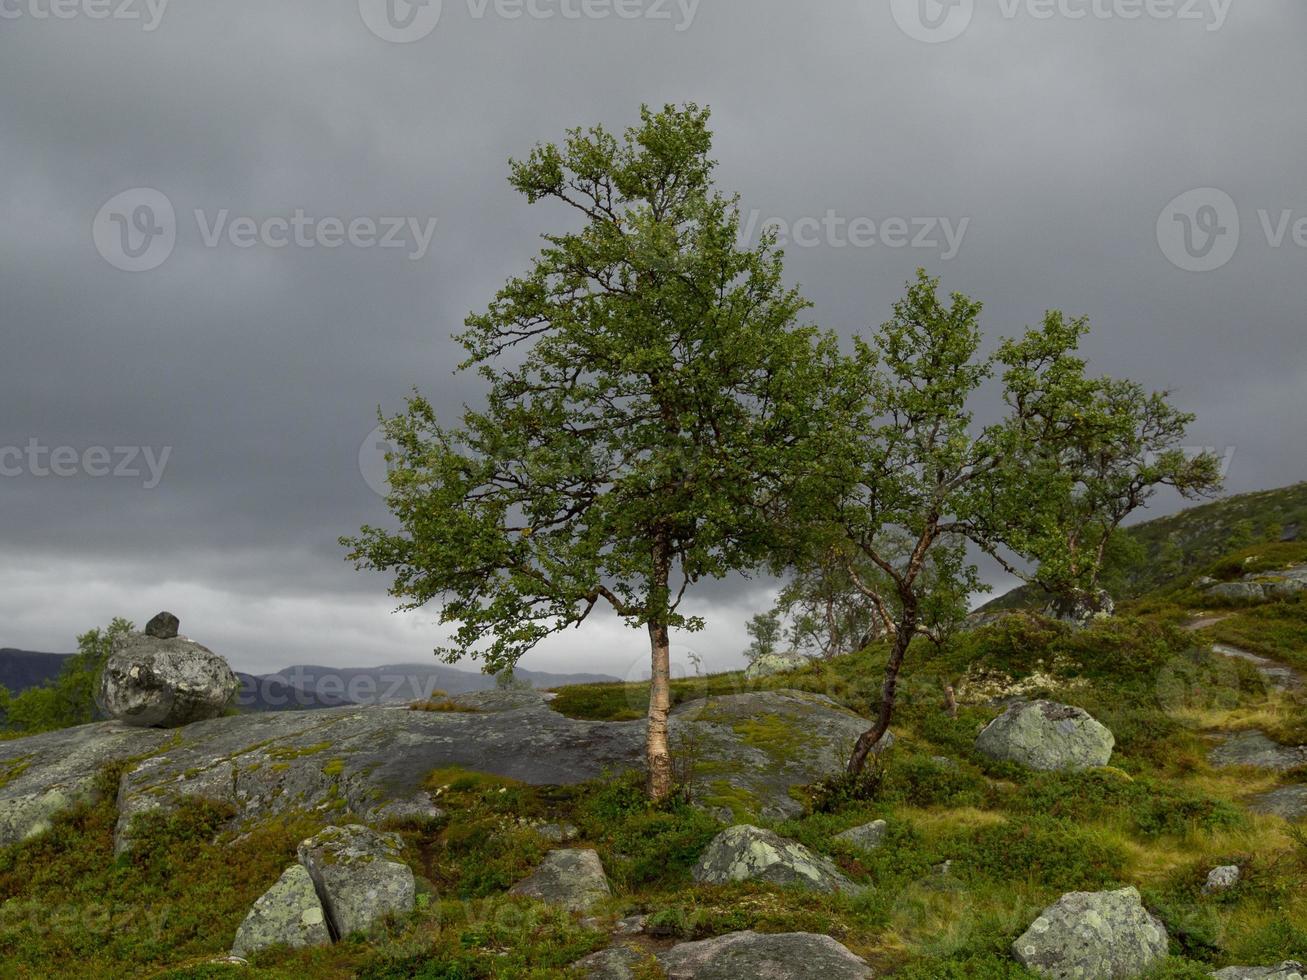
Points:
(402, 683)
(21, 669)
(275, 693)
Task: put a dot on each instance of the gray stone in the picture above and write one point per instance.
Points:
(570, 879)
(418, 808)
(615, 963)
(1280, 677)
(770, 664)
(632, 925)
(165, 683)
(1288, 970)
(558, 833)
(1289, 802)
(359, 876)
(780, 956)
(1093, 936)
(1082, 608)
(1256, 750)
(867, 837)
(287, 914)
(1046, 736)
(745, 853)
(353, 761)
(1222, 879)
(163, 626)
(1238, 591)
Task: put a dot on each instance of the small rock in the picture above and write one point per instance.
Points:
(632, 925)
(792, 956)
(418, 808)
(770, 664)
(165, 683)
(616, 963)
(1288, 970)
(1093, 934)
(1289, 534)
(867, 837)
(558, 833)
(1048, 737)
(745, 853)
(164, 626)
(287, 914)
(1222, 879)
(359, 876)
(570, 879)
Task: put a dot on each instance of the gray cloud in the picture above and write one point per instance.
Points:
(1060, 141)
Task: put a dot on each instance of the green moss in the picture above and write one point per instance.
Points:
(291, 752)
(334, 768)
(13, 769)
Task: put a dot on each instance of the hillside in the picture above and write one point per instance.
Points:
(505, 804)
(1170, 550)
(21, 669)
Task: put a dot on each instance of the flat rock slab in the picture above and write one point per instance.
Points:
(745, 853)
(1278, 676)
(572, 879)
(359, 876)
(1092, 935)
(1289, 802)
(1255, 749)
(1288, 970)
(44, 774)
(782, 956)
(751, 750)
(287, 914)
(615, 963)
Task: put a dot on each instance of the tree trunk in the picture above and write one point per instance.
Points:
(658, 753)
(888, 692)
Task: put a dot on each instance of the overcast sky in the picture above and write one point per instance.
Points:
(1035, 154)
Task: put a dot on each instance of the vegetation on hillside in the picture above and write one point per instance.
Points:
(69, 699)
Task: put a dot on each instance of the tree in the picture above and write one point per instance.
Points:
(828, 613)
(911, 486)
(765, 632)
(649, 388)
(70, 699)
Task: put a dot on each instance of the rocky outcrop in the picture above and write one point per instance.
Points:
(752, 749)
(165, 682)
(1048, 737)
(1260, 586)
(1098, 935)
(770, 664)
(567, 878)
(745, 853)
(1289, 802)
(615, 963)
(1288, 970)
(868, 837)
(359, 877)
(1256, 750)
(793, 956)
(287, 914)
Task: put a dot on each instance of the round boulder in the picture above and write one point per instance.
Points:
(745, 853)
(1048, 737)
(154, 682)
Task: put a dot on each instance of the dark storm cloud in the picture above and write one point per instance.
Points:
(1041, 144)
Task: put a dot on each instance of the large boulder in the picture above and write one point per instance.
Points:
(156, 682)
(1238, 591)
(359, 876)
(781, 956)
(745, 853)
(1093, 936)
(1047, 736)
(1288, 970)
(573, 879)
(770, 664)
(287, 914)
